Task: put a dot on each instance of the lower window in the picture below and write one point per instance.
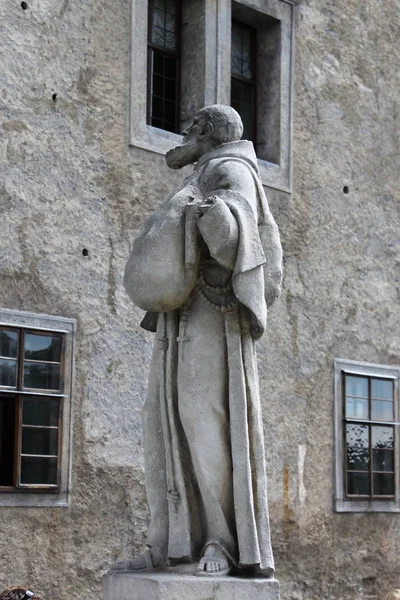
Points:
(367, 442)
(35, 381)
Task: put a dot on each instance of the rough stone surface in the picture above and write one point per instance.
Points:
(69, 180)
(172, 587)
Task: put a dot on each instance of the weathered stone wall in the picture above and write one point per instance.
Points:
(69, 180)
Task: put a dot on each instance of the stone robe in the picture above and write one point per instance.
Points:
(203, 436)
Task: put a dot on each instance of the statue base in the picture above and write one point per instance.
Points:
(173, 586)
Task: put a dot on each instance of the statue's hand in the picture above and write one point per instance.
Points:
(208, 203)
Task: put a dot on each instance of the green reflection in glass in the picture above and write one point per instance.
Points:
(8, 372)
(39, 441)
(42, 347)
(8, 343)
(41, 376)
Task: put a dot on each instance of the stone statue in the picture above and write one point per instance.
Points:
(205, 267)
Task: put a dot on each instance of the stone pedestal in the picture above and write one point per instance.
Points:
(172, 586)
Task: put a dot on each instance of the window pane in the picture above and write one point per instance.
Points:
(171, 65)
(157, 85)
(40, 411)
(156, 108)
(382, 437)
(383, 484)
(41, 376)
(8, 343)
(382, 388)
(382, 409)
(356, 386)
(7, 426)
(8, 372)
(39, 441)
(42, 347)
(358, 484)
(383, 460)
(357, 407)
(38, 470)
(243, 100)
(158, 63)
(170, 90)
(357, 447)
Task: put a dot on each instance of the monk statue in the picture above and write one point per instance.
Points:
(206, 267)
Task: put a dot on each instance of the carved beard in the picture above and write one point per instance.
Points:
(185, 154)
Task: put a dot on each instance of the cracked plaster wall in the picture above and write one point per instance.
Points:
(69, 180)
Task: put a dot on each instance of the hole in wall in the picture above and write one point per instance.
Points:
(24, 5)
(54, 96)
(85, 252)
(346, 189)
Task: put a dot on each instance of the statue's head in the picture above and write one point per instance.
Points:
(212, 126)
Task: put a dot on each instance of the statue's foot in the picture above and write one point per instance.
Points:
(150, 560)
(213, 563)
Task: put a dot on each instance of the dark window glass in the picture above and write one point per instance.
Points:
(383, 484)
(40, 411)
(358, 484)
(243, 82)
(8, 372)
(42, 347)
(39, 441)
(8, 343)
(39, 471)
(41, 376)
(7, 429)
(383, 460)
(164, 60)
(243, 100)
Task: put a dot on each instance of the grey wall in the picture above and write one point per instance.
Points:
(69, 180)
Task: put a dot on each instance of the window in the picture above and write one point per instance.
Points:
(163, 62)
(182, 53)
(366, 437)
(243, 80)
(35, 381)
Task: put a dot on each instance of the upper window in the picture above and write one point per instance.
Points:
(367, 436)
(225, 52)
(35, 380)
(243, 80)
(163, 62)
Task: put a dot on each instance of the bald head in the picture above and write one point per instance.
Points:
(226, 121)
(212, 126)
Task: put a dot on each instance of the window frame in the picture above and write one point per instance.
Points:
(215, 79)
(43, 494)
(343, 502)
(251, 83)
(176, 53)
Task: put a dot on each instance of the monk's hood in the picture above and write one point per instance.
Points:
(242, 149)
